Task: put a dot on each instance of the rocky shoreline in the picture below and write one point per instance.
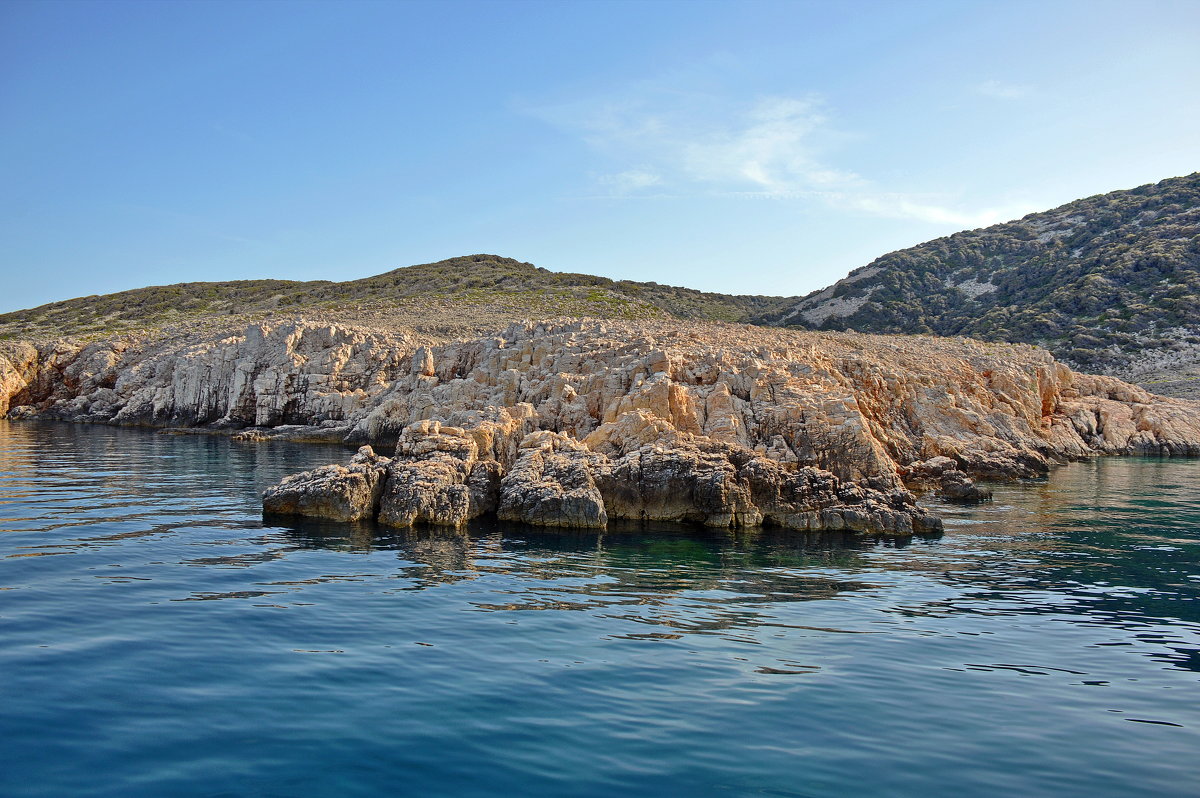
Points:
(579, 422)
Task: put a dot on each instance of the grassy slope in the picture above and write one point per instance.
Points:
(483, 286)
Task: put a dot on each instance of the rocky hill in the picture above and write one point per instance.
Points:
(1109, 284)
(457, 296)
(655, 411)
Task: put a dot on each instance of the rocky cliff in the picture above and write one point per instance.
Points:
(578, 422)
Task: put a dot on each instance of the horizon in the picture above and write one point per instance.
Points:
(756, 148)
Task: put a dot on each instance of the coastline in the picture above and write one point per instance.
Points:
(575, 422)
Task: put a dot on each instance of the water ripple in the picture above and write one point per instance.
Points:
(1047, 644)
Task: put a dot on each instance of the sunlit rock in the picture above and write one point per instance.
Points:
(340, 493)
(578, 422)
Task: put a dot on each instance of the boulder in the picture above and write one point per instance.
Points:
(958, 487)
(439, 490)
(339, 493)
(552, 484)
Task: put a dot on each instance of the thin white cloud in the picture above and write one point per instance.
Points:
(766, 146)
(769, 148)
(900, 206)
(1001, 90)
(630, 180)
(688, 144)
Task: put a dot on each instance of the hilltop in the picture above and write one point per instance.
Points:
(459, 296)
(1109, 284)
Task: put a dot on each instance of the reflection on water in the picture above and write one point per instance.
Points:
(161, 638)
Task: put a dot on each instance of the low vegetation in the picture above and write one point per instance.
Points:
(461, 293)
(1110, 283)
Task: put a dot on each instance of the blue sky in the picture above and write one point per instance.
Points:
(747, 147)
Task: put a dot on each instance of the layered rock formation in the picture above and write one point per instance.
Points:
(339, 493)
(265, 375)
(579, 422)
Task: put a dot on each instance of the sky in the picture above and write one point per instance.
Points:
(740, 147)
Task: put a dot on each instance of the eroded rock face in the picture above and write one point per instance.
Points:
(555, 480)
(349, 493)
(270, 374)
(437, 490)
(577, 422)
(552, 483)
(726, 486)
(19, 364)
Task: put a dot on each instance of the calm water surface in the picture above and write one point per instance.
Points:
(158, 638)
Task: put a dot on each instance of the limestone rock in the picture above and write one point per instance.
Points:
(958, 487)
(340, 493)
(680, 484)
(552, 484)
(428, 491)
(267, 375)
(942, 474)
(19, 365)
(577, 421)
(22, 412)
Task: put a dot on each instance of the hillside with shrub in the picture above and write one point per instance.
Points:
(462, 294)
(1110, 283)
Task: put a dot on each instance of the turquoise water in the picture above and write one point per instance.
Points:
(157, 638)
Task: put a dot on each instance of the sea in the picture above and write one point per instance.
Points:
(159, 637)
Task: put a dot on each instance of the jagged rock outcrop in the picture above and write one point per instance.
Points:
(553, 483)
(349, 493)
(19, 367)
(431, 491)
(578, 422)
(942, 473)
(555, 480)
(267, 375)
